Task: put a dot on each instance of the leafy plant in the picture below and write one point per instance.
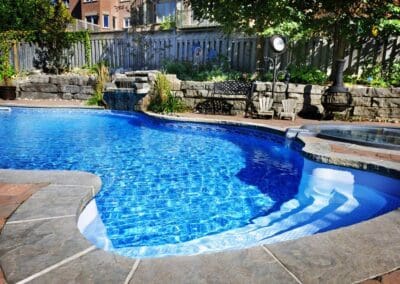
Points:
(373, 76)
(8, 39)
(307, 75)
(6, 73)
(394, 75)
(6, 70)
(211, 71)
(103, 76)
(217, 75)
(377, 76)
(183, 70)
(163, 100)
(173, 104)
(53, 40)
(168, 23)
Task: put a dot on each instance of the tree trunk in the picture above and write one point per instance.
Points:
(260, 45)
(339, 48)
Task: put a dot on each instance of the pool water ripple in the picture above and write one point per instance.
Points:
(185, 188)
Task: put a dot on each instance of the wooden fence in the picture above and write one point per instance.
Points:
(149, 51)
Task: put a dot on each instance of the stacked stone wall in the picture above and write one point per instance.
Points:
(66, 87)
(366, 102)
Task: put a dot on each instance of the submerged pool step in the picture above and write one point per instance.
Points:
(6, 109)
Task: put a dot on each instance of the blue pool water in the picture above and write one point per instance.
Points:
(174, 188)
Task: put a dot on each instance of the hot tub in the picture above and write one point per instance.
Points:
(375, 136)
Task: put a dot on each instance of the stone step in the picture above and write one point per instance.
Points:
(138, 73)
(126, 83)
(141, 79)
(143, 91)
(142, 85)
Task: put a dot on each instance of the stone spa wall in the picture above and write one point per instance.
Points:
(366, 102)
(66, 87)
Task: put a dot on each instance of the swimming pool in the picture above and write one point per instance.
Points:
(173, 188)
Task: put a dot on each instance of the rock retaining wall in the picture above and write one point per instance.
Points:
(366, 102)
(66, 87)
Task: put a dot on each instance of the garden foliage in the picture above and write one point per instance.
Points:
(163, 101)
(103, 76)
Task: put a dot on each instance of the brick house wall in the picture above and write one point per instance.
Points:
(108, 14)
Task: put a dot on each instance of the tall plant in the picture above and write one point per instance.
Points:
(163, 100)
(103, 76)
(53, 40)
(8, 39)
(6, 70)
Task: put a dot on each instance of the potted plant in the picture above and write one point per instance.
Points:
(7, 90)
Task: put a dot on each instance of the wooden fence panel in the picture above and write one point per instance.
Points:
(150, 51)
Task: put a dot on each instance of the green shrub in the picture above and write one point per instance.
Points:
(163, 101)
(351, 79)
(211, 71)
(103, 76)
(172, 104)
(394, 76)
(217, 75)
(307, 75)
(168, 23)
(183, 70)
(373, 76)
(6, 73)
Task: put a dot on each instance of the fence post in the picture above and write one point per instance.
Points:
(15, 57)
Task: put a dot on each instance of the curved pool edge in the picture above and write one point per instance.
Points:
(314, 148)
(50, 247)
(377, 237)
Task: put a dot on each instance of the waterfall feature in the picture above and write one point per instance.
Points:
(292, 133)
(127, 91)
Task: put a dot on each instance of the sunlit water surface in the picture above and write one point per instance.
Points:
(174, 188)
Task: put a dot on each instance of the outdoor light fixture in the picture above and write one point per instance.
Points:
(277, 43)
(278, 46)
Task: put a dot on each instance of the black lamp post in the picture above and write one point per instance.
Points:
(278, 46)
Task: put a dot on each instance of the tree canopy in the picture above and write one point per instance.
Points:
(249, 16)
(24, 15)
(41, 21)
(53, 39)
(342, 21)
(349, 21)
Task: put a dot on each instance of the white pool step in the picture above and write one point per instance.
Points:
(8, 109)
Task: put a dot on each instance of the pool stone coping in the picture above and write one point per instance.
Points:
(314, 148)
(27, 105)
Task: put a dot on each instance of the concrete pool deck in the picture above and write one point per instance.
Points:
(40, 242)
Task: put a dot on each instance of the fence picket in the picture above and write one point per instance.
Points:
(136, 51)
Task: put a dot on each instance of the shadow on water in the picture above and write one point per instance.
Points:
(274, 169)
